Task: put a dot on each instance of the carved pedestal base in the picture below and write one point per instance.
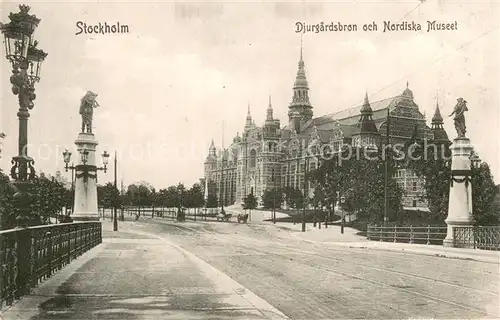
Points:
(460, 199)
(85, 207)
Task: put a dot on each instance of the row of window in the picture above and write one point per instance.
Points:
(401, 173)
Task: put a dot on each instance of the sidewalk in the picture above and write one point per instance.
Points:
(133, 275)
(332, 236)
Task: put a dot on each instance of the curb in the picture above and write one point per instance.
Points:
(448, 255)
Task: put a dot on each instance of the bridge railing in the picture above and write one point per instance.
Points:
(29, 256)
(486, 238)
(421, 235)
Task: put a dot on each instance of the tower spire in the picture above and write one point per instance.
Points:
(437, 119)
(301, 44)
(248, 122)
(212, 150)
(269, 110)
(437, 126)
(366, 105)
(366, 122)
(300, 110)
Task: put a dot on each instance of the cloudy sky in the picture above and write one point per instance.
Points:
(166, 87)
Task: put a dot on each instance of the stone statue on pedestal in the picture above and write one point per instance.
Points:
(459, 118)
(87, 106)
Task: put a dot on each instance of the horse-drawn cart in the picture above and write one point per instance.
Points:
(243, 218)
(224, 216)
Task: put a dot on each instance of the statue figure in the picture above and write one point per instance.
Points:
(87, 106)
(459, 118)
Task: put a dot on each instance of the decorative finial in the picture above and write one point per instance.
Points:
(407, 83)
(301, 43)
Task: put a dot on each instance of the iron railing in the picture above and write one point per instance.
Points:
(486, 238)
(29, 256)
(421, 235)
(171, 213)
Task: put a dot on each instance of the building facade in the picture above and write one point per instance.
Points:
(270, 156)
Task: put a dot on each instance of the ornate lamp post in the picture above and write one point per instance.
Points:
(86, 170)
(475, 161)
(26, 59)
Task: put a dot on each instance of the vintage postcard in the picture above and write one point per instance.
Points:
(250, 160)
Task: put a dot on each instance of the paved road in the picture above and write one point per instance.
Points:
(156, 270)
(138, 275)
(314, 281)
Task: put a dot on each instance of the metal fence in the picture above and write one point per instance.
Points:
(171, 213)
(421, 235)
(29, 256)
(486, 238)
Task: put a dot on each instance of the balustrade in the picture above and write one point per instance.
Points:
(486, 238)
(31, 255)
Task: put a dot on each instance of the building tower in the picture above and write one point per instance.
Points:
(248, 122)
(300, 110)
(210, 164)
(270, 163)
(271, 125)
(439, 134)
(368, 134)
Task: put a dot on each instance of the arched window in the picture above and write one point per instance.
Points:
(253, 156)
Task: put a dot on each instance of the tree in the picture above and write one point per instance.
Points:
(435, 169)
(433, 166)
(48, 198)
(360, 180)
(250, 202)
(182, 194)
(108, 195)
(484, 192)
(294, 197)
(7, 214)
(139, 194)
(212, 201)
(272, 198)
(195, 196)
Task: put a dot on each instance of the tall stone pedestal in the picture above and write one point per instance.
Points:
(85, 206)
(460, 200)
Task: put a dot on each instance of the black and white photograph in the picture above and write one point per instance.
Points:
(301, 160)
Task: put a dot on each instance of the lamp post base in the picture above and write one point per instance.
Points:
(22, 200)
